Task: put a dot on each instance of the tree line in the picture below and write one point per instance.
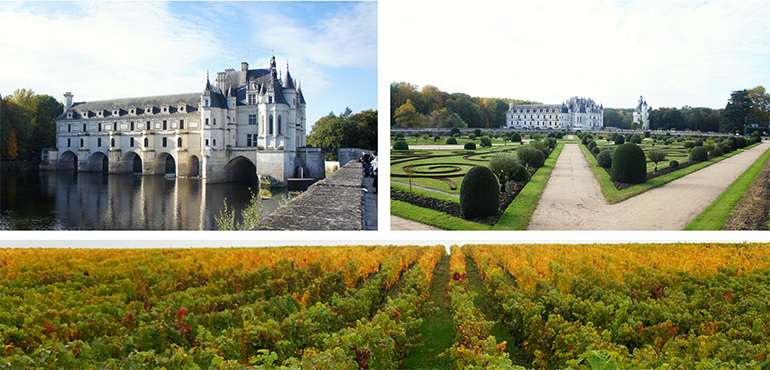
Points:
(346, 130)
(27, 125)
(411, 106)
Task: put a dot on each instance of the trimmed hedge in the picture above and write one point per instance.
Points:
(699, 154)
(629, 164)
(479, 194)
(516, 137)
(619, 140)
(400, 145)
(604, 158)
(470, 146)
(451, 140)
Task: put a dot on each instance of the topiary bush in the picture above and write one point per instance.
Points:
(526, 154)
(454, 131)
(551, 142)
(470, 146)
(673, 164)
(619, 140)
(740, 142)
(591, 144)
(635, 139)
(400, 145)
(539, 145)
(698, 143)
(516, 137)
(699, 154)
(629, 164)
(399, 136)
(716, 152)
(520, 174)
(596, 150)
(503, 166)
(437, 138)
(604, 158)
(477, 132)
(585, 139)
(725, 147)
(689, 145)
(539, 159)
(472, 136)
(486, 142)
(479, 194)
(451, 140)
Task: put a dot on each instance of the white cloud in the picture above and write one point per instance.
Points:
(103, 50)
(674, 53)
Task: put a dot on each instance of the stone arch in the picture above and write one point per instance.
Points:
(194, 166)
(131, 162)
(68, 161)
(240, 168)
(164, 163)
(98, 162)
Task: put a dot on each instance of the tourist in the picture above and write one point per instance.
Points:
(366, 159)
(375, 163)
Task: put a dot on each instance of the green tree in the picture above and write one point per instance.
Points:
(407, 116)
(736, 111)
(346, 131)
(760, 103)
(656, 156)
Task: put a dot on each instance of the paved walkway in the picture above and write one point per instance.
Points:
(572, 199)
(370, 205)
(398, 223)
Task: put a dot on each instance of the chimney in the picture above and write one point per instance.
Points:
(68, 101)
(244, 72)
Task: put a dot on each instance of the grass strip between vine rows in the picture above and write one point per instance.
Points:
(515, 217)
(715, 216)
(613, 195)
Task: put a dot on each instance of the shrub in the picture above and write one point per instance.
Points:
(596, 150)
(619, 140)
(673, 164)
(551, 142)
(754, 139)
(740, 142)
(733, 144)
(503, 166)
(539, 145)
(604, 158)
(646, 134)
(520, 174)
(709, 146)
(698, 143)
(559, 135)
(656, 156)
(689, 145)
(472, 136)
(725, 147)
(716, 152)
(477, 132)
(515, 137)
(535, 136)
(699, 154)
(551, 134)
(454, 131)
(486, 141)
(635, 139)
(437, 138)
(585, 139)
(526, 154)
(539, 159)
(451, 140)
(470, 146)
(400, 145)
(479, 194)
(629, 164)
(591, 144)
(399, 136)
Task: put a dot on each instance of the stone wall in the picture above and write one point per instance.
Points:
(346, 155)
(335, 203)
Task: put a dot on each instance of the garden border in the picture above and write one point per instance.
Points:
(612, 195)
(515, 217)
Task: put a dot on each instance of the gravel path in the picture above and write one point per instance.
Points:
(572, 199)
(398, 223)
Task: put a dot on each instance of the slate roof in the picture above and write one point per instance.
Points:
(124, 105)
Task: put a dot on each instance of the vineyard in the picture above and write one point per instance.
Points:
(678, 306)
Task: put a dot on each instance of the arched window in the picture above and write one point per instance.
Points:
(179, 142)
(279, 124)
(270, 125)
(146, 142)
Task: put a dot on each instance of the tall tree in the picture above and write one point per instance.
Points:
(760, 103)
(736, 111)
(344, 131)
(407, 116)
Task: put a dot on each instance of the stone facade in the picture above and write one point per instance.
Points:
(642, 114)
(574, 114)
(248, 120)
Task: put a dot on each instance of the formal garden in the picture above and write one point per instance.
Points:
(490, 183)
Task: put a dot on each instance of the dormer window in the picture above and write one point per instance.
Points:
(132, 111)
(84, 114)
(207, 103)
(100, 113)
(165, 109)
(69, 115)
(116, 112)
(148, 110)
(182, 108)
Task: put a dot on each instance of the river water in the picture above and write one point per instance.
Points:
(66, 200)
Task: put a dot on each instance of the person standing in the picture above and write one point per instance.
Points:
(375, 165)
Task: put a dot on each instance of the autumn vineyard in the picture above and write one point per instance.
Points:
(634, 306)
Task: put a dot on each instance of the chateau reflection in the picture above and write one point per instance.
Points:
(88, 201)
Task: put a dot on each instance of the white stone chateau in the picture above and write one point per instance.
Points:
(248, 120)
(574, 114)
(642, 114)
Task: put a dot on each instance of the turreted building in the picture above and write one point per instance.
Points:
(247, 121)
(642, 114)
(574, 114)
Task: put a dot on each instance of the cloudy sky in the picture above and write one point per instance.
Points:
(124, 49)
(674, 53)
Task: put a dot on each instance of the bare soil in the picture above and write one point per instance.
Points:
(751, 212)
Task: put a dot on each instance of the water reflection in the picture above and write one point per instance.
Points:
(31, 200)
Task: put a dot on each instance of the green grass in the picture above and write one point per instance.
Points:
(515, 217)
(614, 195)
(715, 216)
(437, 329)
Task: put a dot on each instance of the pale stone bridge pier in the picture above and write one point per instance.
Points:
(345, 200)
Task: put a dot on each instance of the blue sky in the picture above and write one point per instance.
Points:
(674, 53)
(122, 49)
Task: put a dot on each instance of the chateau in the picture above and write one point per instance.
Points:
(574, 114)
(642, 114)
(249, 121)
